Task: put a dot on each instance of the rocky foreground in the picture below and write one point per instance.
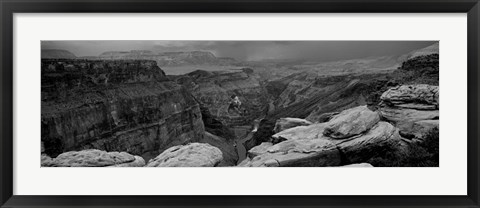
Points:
(356, 137)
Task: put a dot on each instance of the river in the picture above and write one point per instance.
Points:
(241, 150)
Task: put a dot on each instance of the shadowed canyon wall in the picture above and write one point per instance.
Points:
(121, 105)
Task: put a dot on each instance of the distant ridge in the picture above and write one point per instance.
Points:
(170, 58)
(57, 54)
(432, 49)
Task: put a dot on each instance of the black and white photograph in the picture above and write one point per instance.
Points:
(238, 103)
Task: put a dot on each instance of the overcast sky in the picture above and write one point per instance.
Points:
(250, 50)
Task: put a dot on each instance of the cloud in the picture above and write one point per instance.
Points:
(249, 50)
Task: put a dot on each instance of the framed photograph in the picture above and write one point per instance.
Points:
(268, 103)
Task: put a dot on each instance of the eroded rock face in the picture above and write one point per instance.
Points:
(419, 96)
(121, 105)
(96, 158)
(351, 122)
(190, 155)
(309, 146)
(404, 105)
(362, 148)
(287, 123)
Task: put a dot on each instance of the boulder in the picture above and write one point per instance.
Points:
(358, 165)
(424, 94)
(95, 158)
(298, 153)
(190, 155)
(287, 123)
(371, 144)
(260, 149)
(351, 122)
(46, 161)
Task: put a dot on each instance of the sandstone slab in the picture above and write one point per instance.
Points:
(298, 153)
(190, 155)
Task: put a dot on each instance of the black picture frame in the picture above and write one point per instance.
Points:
(9, 7)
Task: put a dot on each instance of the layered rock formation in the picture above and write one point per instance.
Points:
(122, 105)
(412, 108)
(353, 136)
(93, 158)
(191, 155)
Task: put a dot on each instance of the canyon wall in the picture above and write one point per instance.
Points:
(121, 105)
(214, 90)
(318, 97)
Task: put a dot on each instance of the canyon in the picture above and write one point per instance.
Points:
(292, 114)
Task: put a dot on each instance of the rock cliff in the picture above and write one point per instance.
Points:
(412, 108)
(120, 105)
